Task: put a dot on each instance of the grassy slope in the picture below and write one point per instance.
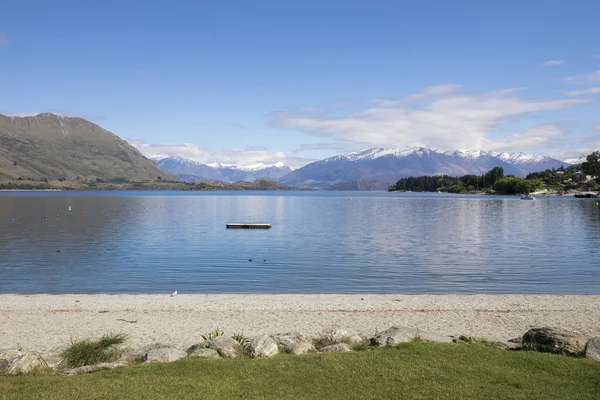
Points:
(412, 371)
(49, 146)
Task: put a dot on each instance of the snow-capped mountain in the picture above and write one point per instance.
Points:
(577, 160)
(389, 165)
(530, 163)
(190, 171)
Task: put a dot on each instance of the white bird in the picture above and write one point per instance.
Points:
(174, 294)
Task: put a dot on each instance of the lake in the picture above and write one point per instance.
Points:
(320, 242)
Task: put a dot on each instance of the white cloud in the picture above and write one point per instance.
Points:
(552, 63)
(539, 137)
(442, 118)
(186, 150)
(585, 78)
(576, 152)
(592, 90)
(597, 127)
(340, 147)
(235, 156)
(3, 40)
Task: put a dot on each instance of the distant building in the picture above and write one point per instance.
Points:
(578, 176)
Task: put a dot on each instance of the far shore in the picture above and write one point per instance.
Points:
(44, 322)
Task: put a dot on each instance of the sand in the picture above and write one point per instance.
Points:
(48, 322)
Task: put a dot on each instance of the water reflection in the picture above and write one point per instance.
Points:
(319, 243)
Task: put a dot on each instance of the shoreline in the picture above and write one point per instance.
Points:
(48, 322)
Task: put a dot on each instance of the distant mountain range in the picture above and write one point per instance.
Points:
(53, 147)
(371, 169)
(389, 165)
(48, 146)
(193, 171)
(577, 160)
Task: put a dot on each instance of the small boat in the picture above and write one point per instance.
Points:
(585, 196)
(248, 225)
(527, 197)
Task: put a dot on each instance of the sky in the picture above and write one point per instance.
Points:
(247, 82)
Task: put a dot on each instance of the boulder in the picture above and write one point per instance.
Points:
(139, 355)
(165, 354)
(27, 363)
(592, 349)
(555, 341)
(393, 336)
(9, 354)
(507, 345)
(226, 347)
(342, 335)
(339, 347)
(53, 360)
(432, 337)
(194, 347)
(289, 340)
(263, 346)
(206, 353)
(88, 369)
(301, 348)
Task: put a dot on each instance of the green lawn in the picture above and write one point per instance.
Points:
(412, 371)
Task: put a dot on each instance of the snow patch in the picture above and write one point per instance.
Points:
(577, 160)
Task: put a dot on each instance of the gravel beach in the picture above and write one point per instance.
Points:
(48, 322)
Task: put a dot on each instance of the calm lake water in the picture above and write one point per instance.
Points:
(321, 242)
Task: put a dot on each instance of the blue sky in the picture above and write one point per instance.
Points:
(266, 81)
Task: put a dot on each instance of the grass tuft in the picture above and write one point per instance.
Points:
(363, 345)
(215, 333)
(473, 340)
(244, 344)
(90, 352)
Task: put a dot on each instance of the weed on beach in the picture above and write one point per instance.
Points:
(215, 333)
(90, 351)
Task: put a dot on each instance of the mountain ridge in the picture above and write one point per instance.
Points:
(388, 165)
(191, 171)
(49, 146)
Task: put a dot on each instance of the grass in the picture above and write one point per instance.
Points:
(474, 340)
(244, 344)
(215, 333)
(90, 351)
(409, 371)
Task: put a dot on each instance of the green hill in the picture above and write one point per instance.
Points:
(259, 184)
(49, 146)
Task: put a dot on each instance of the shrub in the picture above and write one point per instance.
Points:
(212, 335)
(90, 352)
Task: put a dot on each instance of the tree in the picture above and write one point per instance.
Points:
(592, 165)
(513, 185)
(491, 177)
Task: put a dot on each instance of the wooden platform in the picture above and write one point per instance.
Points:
(248, 226)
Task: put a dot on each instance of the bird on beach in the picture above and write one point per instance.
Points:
(174, 294)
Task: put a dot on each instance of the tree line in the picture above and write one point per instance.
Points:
(491, 180)
(494, 180)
